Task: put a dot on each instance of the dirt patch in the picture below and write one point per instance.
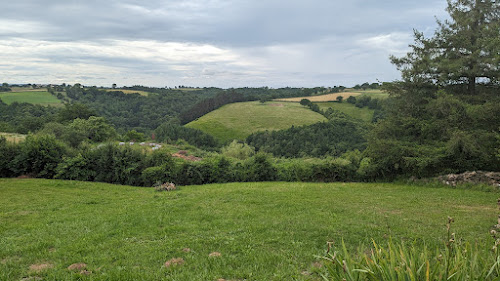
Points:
(85, 272)
(40, 267)
(215, 254)
(475, 177)
(77, 266)
(186, 250)
(183, 155)
(276, 104)
(174, 262)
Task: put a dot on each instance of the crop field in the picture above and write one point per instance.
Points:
(41, 97)
(13, 137)
(69, 230)
(364, 113)
(142, 93)
(239, 120)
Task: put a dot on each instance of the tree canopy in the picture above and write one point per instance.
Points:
(464, 51)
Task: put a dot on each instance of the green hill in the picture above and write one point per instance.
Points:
(364, 113)
(41, 97)
(239, 120)
(263, 231)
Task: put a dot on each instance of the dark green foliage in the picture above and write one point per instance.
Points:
(95, 129)
(133, 135)
(5, 88)
(73, 111)
(24, 117)
(260, 168)
(171, 132)
(338, 135)
(8, 152)
(39, 156)
(351, 99)
(305, 102)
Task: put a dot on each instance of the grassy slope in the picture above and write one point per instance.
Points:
(126, 91)
(264, 231)
(364, 113)
(239, 120)
(41, 97)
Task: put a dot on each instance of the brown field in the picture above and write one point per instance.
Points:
(322, 98)
(13, 137)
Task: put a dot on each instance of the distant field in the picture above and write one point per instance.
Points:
(260, 231)
(364, 113)
(239, 120)
(142, 93)
(322, 98)
(13, 137)
(378, 94)
(41, 97)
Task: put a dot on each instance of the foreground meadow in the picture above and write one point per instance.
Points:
(235, 231)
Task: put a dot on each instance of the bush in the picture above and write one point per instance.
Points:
(39, 156)
(238, 150)
(8, 152)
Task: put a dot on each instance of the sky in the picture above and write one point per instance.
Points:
(205, 43)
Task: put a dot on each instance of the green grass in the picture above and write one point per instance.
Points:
(264, 231)
(126, 91)
(239, 120)
(377, 94)
(364, 113)
(41, 97)
(13, 137)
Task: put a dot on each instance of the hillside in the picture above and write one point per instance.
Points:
(39, 96)
(239, 120)
(263, 231)
(364, 113)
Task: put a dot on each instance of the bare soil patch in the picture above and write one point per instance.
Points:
(40, 266)
(174, 262)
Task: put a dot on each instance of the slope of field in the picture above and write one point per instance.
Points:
(323, 98)
(41, 97)
(237, 231)
(364, 113)
(375, 94)
(239, 120)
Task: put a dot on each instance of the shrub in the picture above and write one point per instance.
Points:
(8, 152)
(238, 150)
(39, 156)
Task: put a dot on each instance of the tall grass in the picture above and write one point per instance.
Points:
(455, 260)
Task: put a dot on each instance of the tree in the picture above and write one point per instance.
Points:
(464, 51)
(340, 98)
(305, 102)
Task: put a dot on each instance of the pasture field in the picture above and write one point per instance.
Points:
(13, 137)
(322, 98)
(364, 113)
(41, 97)
(235, 231)
(376, 94)
(142, 93)
(239, 120)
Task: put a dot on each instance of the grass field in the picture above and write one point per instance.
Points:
(13, 137)
(41, 97)
(142, 93)
(263, 231)
(378, 94)
(239, 120)
(364, 113)
(322, 98)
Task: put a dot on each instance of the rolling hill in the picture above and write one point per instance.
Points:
(239, 120)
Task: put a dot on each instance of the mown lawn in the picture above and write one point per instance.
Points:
(263, 231)
(239, 120)
(35, 97)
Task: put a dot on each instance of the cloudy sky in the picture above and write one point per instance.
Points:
(230, 43)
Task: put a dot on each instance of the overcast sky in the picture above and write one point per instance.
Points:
(233, 43)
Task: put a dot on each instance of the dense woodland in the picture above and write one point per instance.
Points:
(442, 117)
